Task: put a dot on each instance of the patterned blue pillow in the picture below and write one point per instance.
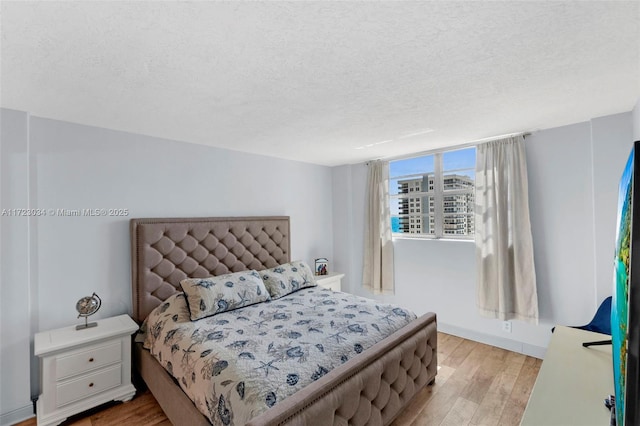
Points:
(210, 296)
(287, 278)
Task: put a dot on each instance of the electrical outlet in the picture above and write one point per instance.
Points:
(506, 326)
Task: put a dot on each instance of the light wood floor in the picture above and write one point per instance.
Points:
(476, 385)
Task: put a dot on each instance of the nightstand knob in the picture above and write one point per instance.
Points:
(91, 359)
(91, 384)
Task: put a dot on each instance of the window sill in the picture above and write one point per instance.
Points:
(427, 238)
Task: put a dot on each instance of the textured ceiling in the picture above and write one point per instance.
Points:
(315, 81)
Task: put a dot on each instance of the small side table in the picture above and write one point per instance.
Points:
(80, 369)
(332, 280)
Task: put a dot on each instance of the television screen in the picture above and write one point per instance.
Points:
(625, 306)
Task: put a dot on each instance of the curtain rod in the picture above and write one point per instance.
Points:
(451, 148)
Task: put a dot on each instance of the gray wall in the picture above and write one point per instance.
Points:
(49, 262)
(15, 304)
(636, 121)
(573, 177)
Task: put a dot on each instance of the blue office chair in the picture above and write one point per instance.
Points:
(601, 322)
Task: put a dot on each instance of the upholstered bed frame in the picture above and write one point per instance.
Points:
(369, 389)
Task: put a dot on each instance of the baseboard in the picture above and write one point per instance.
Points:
(17, 415)
(500, 342)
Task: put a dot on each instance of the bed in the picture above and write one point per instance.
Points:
(371, 388)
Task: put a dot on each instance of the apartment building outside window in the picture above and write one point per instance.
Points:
(434, 195)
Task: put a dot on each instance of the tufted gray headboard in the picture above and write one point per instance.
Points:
(166, 251)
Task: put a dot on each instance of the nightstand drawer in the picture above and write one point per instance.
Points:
(88, 385)
(86, 359)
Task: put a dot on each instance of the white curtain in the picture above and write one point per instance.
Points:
(377, 274)
(506, 283)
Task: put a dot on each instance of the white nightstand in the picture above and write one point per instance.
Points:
(80, 369)
(332, 280)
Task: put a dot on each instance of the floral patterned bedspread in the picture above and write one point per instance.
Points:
(237, 364)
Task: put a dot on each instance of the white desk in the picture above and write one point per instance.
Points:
(573, 382)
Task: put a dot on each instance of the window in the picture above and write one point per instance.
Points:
(442, 187)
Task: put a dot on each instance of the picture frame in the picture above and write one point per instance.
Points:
(321, 266)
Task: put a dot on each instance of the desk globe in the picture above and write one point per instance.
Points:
(87, 306)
